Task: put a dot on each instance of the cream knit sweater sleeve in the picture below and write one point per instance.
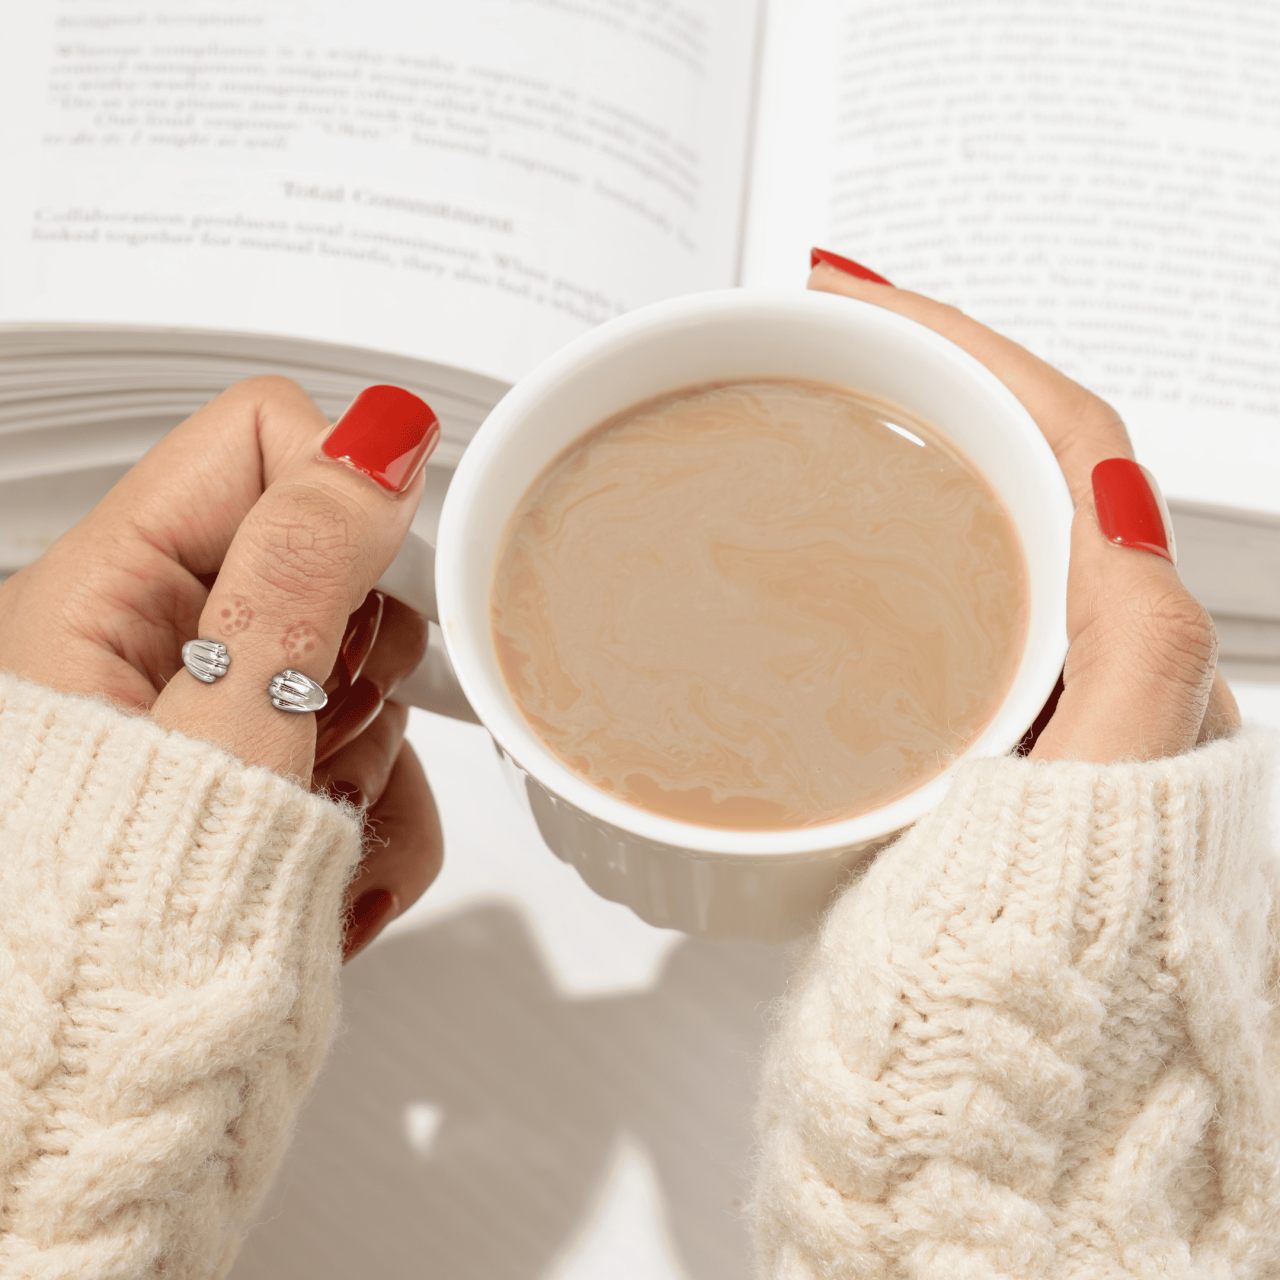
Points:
(1039, 1038)
(169, 941)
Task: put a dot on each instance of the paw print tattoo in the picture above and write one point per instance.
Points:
(236, 616)
(300, 640)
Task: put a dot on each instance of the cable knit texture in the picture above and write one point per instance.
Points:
(1038, 1038)
(169, 943)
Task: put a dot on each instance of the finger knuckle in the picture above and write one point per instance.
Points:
(1176, 629)
(1097, 430)
(269, 394)
(1095, 413)
(268, 386)
(950, 314)
(308, 547)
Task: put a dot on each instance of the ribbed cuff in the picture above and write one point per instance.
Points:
(151, 842)
(170, 921)
(1070, 848)
(1037, 1037)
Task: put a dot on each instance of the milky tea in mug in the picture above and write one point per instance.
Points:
(760, 605)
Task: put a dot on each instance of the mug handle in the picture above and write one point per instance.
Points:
(433, 686)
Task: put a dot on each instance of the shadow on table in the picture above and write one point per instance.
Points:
(533, 1092)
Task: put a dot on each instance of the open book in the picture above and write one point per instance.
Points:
(440, 195)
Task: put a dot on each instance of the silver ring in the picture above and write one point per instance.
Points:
(207, 660)
(292, 691)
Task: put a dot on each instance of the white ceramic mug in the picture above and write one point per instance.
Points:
(765, 885)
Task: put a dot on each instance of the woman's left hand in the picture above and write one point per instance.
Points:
(1140, 680)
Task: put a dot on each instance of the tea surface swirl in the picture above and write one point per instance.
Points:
(760, 605)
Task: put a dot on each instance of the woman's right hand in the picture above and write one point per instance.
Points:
(1141, 678)
(251, 524)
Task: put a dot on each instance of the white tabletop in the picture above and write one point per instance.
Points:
(531, 1081)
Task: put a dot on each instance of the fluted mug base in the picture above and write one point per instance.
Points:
(721, 897)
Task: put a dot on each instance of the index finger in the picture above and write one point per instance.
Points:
(1082, 429)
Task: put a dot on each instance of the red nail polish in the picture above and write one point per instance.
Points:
(371, 911)
(847, 265)
(387, 433)
(1131, 509)
(347, 718)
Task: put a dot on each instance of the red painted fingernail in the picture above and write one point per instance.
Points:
(1131, 509)
(387, 433)
(371, 912)
(347, 718)
(847, 265)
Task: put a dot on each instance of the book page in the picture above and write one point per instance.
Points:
(1100, 181)
(474, 183)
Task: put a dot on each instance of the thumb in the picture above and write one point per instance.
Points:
(301, 561)
(1140, 670)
